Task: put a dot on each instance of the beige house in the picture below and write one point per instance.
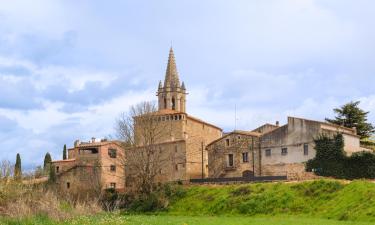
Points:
(282, 150)
(92, 165)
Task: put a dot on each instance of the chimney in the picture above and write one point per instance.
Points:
(277, 123)
(93, 139)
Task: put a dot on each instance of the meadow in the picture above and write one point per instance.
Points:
(116, 219)
(320, 202)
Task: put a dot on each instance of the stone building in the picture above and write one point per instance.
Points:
(91, 165)
(234, 155)
(282, 150)
(184, 139)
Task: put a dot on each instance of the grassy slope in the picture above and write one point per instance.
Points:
(309, 203)
(110, 219)
(323, 198)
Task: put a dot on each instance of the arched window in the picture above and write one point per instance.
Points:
(165, 103)
(173, 104)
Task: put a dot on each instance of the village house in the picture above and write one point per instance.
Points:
(97, 164)
(282, 150)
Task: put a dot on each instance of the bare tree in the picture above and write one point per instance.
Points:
(6, 170)
(142, 129)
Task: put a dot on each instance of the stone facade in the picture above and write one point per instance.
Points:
(283, 150)
(234, 155)
(92, 165)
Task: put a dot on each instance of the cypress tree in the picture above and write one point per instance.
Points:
(52, 175)
(47, 162)
(64, 153)
(18, 168)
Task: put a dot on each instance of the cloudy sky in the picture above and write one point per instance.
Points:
(69, 67)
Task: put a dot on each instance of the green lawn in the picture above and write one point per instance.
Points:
(184, 220)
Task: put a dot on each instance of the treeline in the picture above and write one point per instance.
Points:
(331, 161)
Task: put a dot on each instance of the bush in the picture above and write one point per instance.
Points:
(331, 161)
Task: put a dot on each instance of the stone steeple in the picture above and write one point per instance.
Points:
(172, 95)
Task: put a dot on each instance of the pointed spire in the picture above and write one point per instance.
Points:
(183, 86)
(160, 85)
(171, 75)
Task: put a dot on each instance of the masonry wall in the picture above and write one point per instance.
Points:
(172, 167)
(198, 136)
(108, 176)
(218, 159)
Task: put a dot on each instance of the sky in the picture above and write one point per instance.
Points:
(68, 68)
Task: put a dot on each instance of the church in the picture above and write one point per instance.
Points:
(183, 144)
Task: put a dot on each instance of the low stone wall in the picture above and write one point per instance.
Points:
(294, 171)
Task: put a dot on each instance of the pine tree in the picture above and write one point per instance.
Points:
(350, 115)
(47, 162)
(18, 168)
(64, 153)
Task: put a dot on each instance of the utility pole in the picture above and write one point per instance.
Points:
(202, 161)
(252, 148)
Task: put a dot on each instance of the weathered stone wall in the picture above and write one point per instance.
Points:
(172, 167)
(235, 144)
(105, 163)
(198, 136)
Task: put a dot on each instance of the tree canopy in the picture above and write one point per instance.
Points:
(18, 168)
(47, 162)
(350, 115)
(64, 153)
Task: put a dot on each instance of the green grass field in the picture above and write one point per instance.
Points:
(111, 219)
(321, 202)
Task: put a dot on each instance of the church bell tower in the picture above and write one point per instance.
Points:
(173, 94)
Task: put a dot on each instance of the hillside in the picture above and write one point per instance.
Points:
(323, 198)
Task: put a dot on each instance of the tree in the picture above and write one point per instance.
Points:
(140, 130)
(350, 115)
(47, 162)
(18, 168)
(64, 153)
(52, 175)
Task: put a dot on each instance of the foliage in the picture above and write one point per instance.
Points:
(140, 133)
(18, 168)
(47, 162)
(266, 203)
(52, 176)
(64, 153)
(118, 219)
(329, 156)
(350, 115)
(331, 161)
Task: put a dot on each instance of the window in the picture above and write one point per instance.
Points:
(227, 142)
(176, 166)
(112, 185)
(57, 169)
(112, 153)
(245, 157)
(305, 149)
(113, 168)
(230, 160)
(68, 185)
(175, 148)
(238, 137)
(268, 152)
(284, 151)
